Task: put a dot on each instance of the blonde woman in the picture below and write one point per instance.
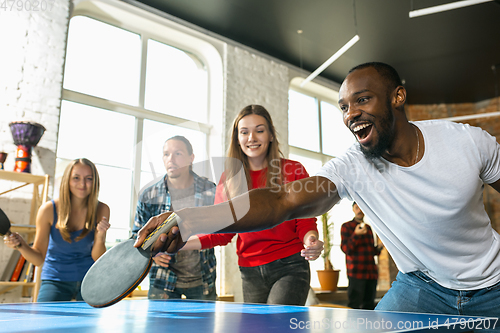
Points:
(70, 233)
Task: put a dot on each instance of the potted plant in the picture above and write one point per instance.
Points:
(329, 277)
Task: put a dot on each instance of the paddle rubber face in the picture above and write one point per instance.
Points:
(121, 269)
(115, 274)
(4, 224)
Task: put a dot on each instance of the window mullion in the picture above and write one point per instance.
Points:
(320, 127)
(144, 58)
(135, 111)
(136, 172)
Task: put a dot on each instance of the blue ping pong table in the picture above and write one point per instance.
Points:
(185, 316)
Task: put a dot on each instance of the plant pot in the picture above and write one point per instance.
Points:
(328, 279)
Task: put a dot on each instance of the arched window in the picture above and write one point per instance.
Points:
(130, 83)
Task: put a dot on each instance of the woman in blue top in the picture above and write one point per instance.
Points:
(70, 233)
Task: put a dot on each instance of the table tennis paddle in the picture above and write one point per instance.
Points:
(5, 225)
(121, 269)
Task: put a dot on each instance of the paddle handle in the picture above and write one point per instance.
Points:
(165, 226)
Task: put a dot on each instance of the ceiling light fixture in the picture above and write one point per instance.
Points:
(334, 57)
(337, 54)
(445, 7)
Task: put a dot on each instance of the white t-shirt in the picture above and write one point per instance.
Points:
(430, 216)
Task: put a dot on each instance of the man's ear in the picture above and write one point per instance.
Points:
(399, 97)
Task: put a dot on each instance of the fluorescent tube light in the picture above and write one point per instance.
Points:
(473, 116)
(445, 7)
(334, 57)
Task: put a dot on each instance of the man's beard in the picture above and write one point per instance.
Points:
(385, 136)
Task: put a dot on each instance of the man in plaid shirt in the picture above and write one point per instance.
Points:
(357, 244)
(189, 273)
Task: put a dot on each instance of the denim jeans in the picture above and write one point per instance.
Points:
(416, 292)
(283, 281)
(190, 293)
(56, 291)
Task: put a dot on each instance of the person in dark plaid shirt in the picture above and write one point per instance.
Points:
(358, 245)
(190, 273)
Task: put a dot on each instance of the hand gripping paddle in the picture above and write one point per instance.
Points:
(121, 269)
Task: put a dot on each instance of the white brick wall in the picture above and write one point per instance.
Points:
(33, 46)
(252, 79)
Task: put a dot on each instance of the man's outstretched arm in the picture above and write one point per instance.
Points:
(255, 210)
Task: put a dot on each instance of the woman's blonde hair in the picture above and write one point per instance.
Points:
(237, 159)
(64, 208)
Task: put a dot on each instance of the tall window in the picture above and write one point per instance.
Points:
(124, 94)
(316, 135)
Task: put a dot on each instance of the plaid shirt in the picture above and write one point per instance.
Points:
(360, 252)
(155, 200)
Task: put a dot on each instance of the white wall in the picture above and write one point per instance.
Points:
(31, 69)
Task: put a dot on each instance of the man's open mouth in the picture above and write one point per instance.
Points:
(362, 131)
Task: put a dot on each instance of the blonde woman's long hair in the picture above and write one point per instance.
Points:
(238, 161)
(64, 209)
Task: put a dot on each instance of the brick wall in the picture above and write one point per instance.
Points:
(31, 66)
(252, 79)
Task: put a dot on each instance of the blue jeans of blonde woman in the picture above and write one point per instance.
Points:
(416, 292)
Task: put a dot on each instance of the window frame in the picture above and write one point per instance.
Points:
(330, 95)
(321, 94)
(152, 26)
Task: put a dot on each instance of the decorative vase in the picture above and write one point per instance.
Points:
(26, 135)
(328, 279)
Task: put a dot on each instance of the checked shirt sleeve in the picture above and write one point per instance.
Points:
(349, 239)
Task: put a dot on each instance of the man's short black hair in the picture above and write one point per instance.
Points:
(386, 71)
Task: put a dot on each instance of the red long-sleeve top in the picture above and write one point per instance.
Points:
(262, 247)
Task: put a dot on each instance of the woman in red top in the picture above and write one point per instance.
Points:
(273, 263)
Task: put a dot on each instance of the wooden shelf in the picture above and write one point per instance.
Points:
(23, 228)
(39, 197)
(22, 177)
(17, 283)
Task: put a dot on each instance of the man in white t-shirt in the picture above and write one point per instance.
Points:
(420, 183)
